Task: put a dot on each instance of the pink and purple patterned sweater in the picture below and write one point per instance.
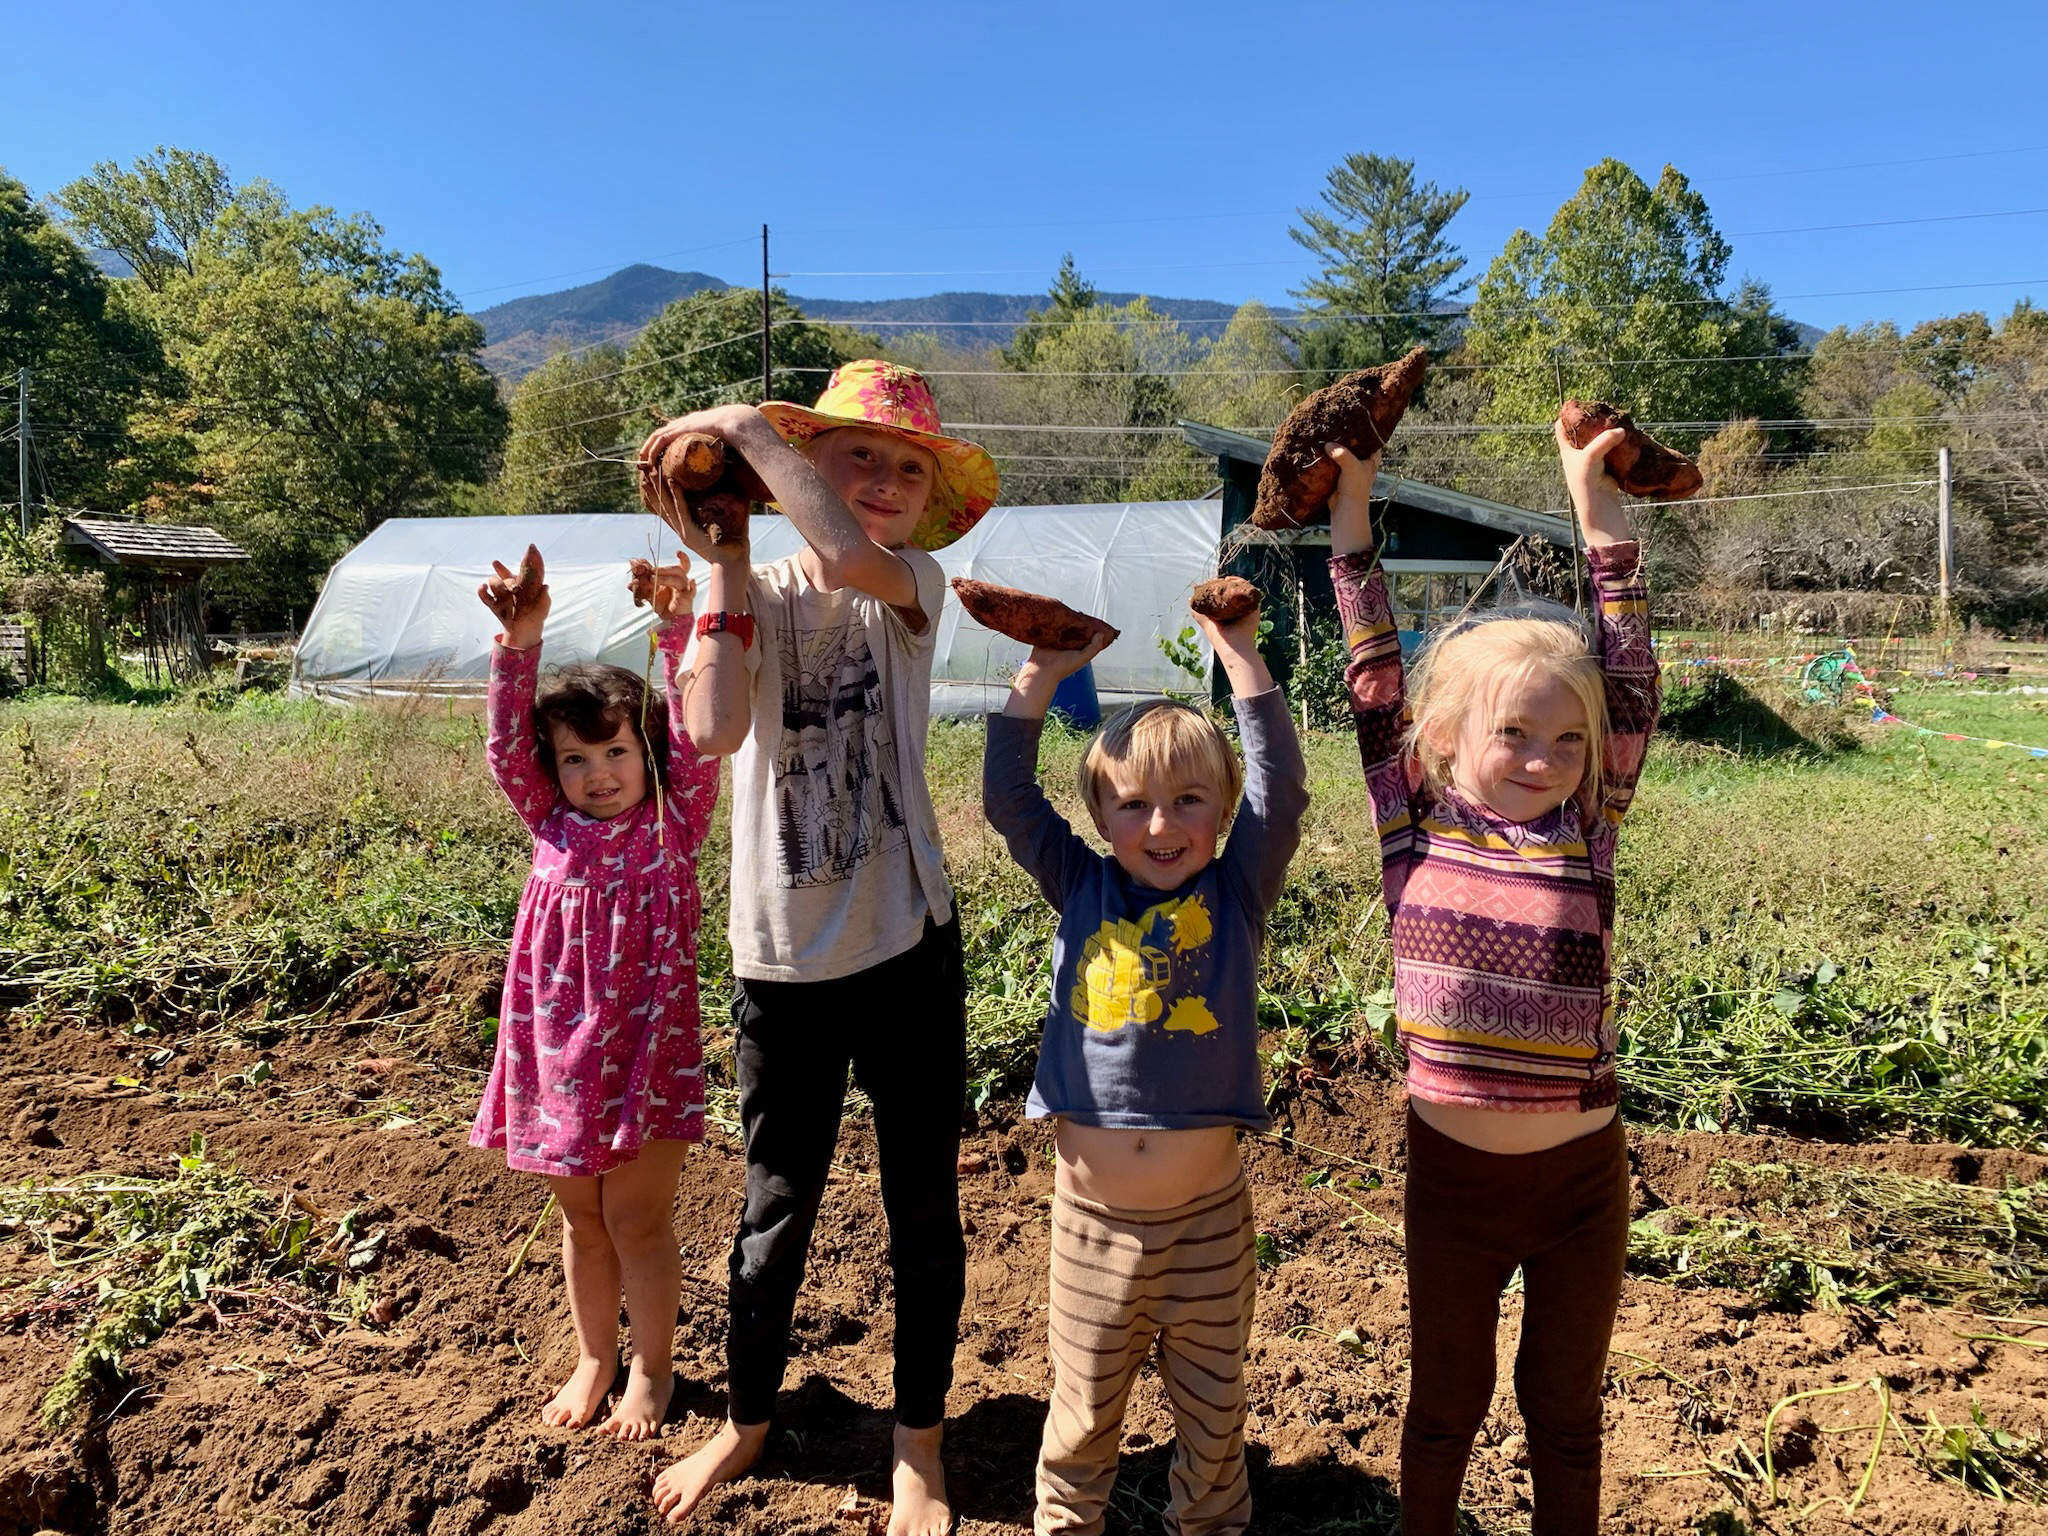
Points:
(597, 1031)
(1503, 932)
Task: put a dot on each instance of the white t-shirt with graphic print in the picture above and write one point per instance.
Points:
(836, 859)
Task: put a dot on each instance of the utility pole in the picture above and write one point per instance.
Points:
(764, 315)
(1945, 533)
(21, 442)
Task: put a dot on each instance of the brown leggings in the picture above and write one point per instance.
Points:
(1472, 1217)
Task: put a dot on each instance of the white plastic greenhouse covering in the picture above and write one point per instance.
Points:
(399, 615)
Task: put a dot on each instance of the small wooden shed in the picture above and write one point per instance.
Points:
(1438, 545)
(164, 562)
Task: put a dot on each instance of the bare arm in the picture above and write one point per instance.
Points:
(1595, 496)
(849, 557)
(718, 706)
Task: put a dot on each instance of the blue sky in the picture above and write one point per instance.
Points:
(530, 147)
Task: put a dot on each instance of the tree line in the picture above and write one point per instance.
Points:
(286, 376)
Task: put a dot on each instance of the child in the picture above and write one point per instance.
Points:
(598, 1084)
(1498, 805)
(1150, 1064)
(815, 674)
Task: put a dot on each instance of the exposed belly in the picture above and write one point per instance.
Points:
(1493, 1130)
(1145, 1170)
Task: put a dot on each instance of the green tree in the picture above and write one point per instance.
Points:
(1948, 354)
(1623, 299)
(562, 455)
(91, 357)
(1383, 253)
(705, 350)
(1070, 297)
(1247, 379)
(155, 214)
(1849, 372)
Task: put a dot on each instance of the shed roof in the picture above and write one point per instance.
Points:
(1247, 449)
(167, 546)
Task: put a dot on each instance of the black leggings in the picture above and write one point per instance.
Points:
(902, 1027)
(1472, 1217)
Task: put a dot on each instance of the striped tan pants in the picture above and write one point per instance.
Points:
(1120, 1280)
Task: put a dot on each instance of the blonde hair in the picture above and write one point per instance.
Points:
(1467, 671)
(1163, 738)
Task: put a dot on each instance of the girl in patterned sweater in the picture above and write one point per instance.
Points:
(1499, 789)
(598, 1084)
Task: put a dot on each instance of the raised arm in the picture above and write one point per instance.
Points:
(1621, 601)
(1267, 827)
(849, 556)
(1373, 676)
(1038, 837)
(519, 601)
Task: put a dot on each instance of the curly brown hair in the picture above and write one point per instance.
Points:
(594, 700)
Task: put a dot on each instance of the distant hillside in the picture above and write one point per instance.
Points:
(523, 332)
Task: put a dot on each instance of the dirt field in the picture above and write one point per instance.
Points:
(429, 1423)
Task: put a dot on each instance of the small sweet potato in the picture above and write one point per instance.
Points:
(640, 581)
(1026, 616)
(1225, 600)
(1640, 464)
(1359, 412)
(718, 487)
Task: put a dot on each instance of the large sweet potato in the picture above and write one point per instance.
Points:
(1225, 600)
(1640, 464)
(1358, 412)
(1028, 617)
(718, 487)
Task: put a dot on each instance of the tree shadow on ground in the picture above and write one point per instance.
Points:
(1717, 709)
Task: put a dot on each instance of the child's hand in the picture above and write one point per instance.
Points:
(1031, 690)
(520, 601)
(1238, 636)
(1237, 643)
(673, 507)
(730, 424)
(670, 588)
(1595, 496)
(1351, 502)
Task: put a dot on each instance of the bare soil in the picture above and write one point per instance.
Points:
(430, 1423)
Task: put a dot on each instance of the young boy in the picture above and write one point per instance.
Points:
(814, 674)
(1150, 1064)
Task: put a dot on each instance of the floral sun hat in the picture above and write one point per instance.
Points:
(897, 400)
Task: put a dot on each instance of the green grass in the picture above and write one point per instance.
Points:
(1846, 942)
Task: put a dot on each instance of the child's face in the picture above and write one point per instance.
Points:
(884, 481)
(1529, 757)
(601, 779)
(1162, 832)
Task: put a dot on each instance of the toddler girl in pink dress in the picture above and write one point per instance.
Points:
(598, 1082)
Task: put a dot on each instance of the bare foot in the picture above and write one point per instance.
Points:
(581, 1395)
(642, 1406)
(918, 1483)
(725, 1456)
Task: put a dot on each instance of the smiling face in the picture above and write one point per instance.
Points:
(884, 480)
(601, 779)
(1161, 827)
(1527, 755)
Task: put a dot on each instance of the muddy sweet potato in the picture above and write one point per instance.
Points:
(1225, 600)
(1359, 412)
(1640, 464)
(640, 581)
(718, 487)
(1026, 616)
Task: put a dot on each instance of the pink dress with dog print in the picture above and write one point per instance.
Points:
(597, 1031)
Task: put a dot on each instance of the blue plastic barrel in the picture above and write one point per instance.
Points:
(1075, 701)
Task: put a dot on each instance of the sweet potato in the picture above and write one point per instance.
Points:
(1225, 600)
(1028, 617)
(640, 581)
(1359, 412)
(718, 487)
(1640, 464)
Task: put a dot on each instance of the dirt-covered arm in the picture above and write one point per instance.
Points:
(509, 746)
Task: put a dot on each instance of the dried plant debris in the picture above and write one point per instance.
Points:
(1358, 412)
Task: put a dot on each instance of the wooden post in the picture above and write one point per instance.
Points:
(765, 370)
(1944, 535)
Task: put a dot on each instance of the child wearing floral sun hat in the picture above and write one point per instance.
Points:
(814, 674)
